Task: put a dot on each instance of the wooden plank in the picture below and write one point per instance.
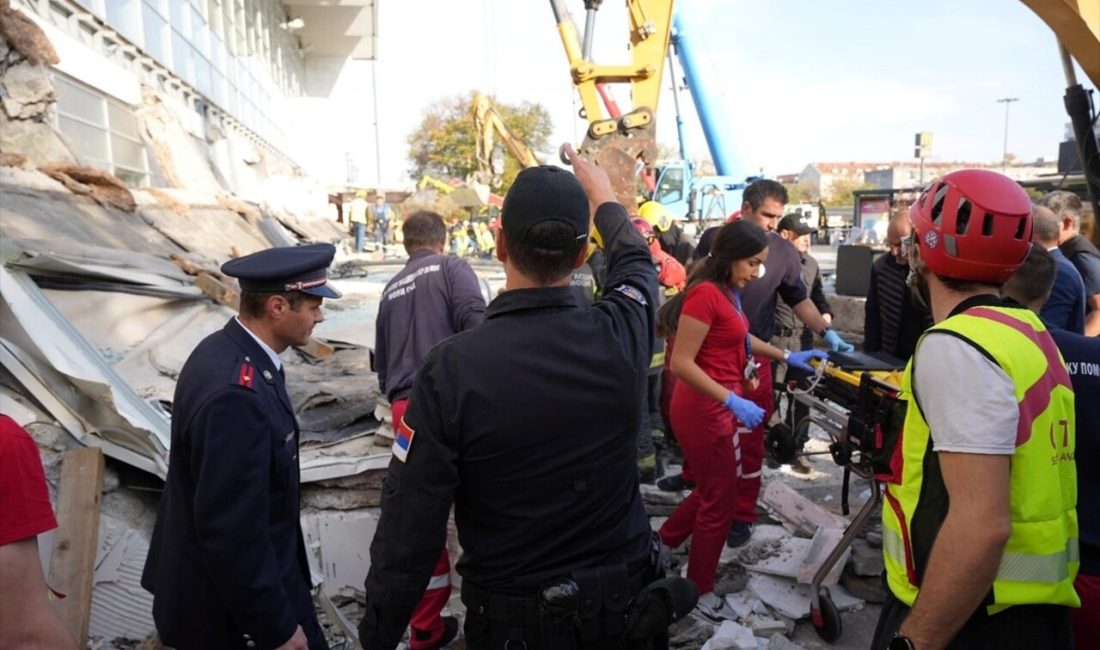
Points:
(76, 539)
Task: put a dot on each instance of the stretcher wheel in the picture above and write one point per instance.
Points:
(826, 618)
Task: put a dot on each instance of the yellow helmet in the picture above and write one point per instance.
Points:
(655, 215)
(362, 194)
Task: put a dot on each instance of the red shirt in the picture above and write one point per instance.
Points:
(722, 354)
(25, 509)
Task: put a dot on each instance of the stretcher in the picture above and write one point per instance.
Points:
(855, 399)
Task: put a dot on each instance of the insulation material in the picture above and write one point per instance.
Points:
(338, 546)
(121, 608)
(26, 37)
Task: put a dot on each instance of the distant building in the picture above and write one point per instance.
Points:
(823, 175)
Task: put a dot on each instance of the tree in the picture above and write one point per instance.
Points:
(841, 191)
(804, 191)
(444, 145)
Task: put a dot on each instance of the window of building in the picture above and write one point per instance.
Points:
(103, 130)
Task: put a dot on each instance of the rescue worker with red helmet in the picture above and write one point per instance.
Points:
(979, 522)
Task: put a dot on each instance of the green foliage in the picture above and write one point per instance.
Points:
(841, 192)
(444, 144)
(803, 191)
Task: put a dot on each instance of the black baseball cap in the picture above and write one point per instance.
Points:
(286, 268)
(794, 222)
(541, 194)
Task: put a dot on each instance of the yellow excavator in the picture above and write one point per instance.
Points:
(489, 125)
(624, 142)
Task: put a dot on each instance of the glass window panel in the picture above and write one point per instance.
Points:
(156, 36)
(122, 120)
(79, 102)
(130, 178)
(200, 34)
(202, 74)
(90, 142)
(182, 57)
(125, 16)
(181, 17)
(159, 6)
(127, 152)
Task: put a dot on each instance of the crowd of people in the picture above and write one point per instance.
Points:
(533, 419)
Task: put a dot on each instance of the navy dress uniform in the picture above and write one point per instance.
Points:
(527, 424)
(227, 564)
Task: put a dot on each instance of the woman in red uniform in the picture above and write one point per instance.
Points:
(711, 359)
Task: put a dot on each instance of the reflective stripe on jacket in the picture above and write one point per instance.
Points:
(1040, 559)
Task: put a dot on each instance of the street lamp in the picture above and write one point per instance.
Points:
(1004, 152)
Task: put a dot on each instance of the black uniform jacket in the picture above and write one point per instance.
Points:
(227, 565)
(527, 423)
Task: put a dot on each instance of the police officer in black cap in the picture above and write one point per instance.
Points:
(526, 424)
(227, 565)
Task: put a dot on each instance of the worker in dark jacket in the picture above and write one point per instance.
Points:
(527, 425)
(433, 297)
(893, 320)
(227, 564)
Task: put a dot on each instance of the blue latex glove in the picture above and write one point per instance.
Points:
(837, 344)
(801, 360)
(746, 412)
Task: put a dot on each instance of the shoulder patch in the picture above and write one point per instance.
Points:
(402, 440)
(632, 293)
(243, 375)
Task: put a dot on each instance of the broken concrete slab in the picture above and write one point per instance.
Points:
(731, 636)
(825, 540)
(780, 642)
(866, 561)
(868, 589)
(689, 633)
(793, 600)
(764, 625)
(796, 511)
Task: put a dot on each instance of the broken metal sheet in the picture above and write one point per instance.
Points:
(61, 358)
(276, 233)
(74, 258)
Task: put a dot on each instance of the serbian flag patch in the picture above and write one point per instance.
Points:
(402, 441)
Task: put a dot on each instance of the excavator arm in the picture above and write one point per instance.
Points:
(620, 143)
(1076, 23)
(487, 123)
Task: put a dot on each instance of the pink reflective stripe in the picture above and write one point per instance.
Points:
(1037, 398)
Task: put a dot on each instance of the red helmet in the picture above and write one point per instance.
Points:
(973, 225)
(642, 226)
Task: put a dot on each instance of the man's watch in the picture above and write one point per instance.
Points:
(901, 642)
(786, 356)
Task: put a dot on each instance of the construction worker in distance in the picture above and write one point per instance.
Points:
(671, 236)
(979, 525)
(357, 215)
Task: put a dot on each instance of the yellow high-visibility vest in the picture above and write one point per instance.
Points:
(1041, 559)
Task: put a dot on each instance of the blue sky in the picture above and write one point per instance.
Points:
(802, 80)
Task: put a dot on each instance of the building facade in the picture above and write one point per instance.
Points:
(154, 90)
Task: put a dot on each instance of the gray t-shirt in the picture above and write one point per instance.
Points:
(968, 401)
